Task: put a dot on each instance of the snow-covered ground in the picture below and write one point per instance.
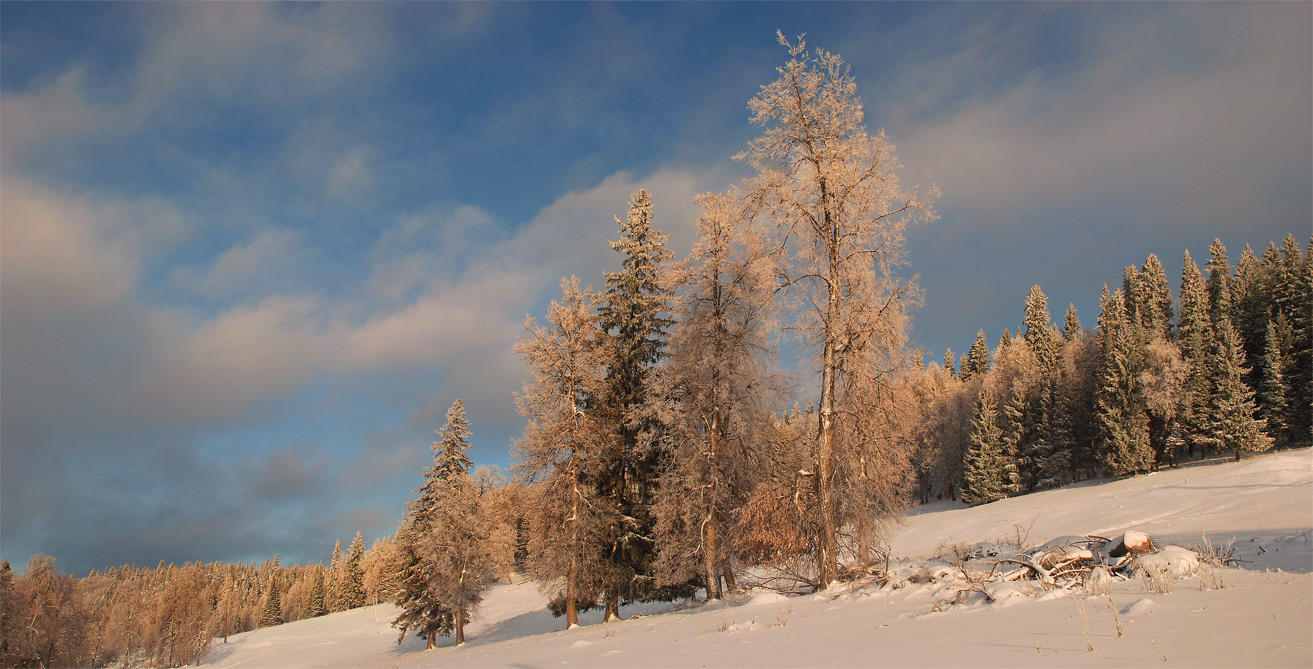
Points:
(1262, 616)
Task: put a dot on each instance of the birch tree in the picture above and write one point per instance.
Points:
(833, 193)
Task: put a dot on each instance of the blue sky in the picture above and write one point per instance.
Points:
(251, 253)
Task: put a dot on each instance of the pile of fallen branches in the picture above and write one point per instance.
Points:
(1066, 562)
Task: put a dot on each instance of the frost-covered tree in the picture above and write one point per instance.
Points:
(317, 607)
(1070, 324)
(833, 194)
(1194, 335)
(715, 395)
(336, 580)
(1272, 394)
(985, 477)
(1235, 426)
(1123, 445)
(1153, 299)
(1037, 330)
(1219, 283)
(443, 552)
(977, 360)
(633, 310)
(949, 362)
(566, 438)
(273, 608)
(353, 587)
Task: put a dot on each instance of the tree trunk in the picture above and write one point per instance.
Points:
(827, 559)
(460, 625)
(432, 639)
(571, 611)
(729, 577)
(710, 555)
(612, 608)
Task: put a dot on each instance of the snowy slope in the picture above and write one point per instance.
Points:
(1262, 617)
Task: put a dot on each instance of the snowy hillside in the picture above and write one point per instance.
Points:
(927, 614)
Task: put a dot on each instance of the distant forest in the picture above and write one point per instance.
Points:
(665, 450)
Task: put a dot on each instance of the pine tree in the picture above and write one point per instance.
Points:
(1294, 300)
(1070, 324)
(1219, 284)
(353, 589)
(1005, 341)
(447, 541)
(1194, 335)
(977, 360)
(949, 362)
(1123, 446)
(838, 213)
(633, 310)
(1234, 424)
(984, 480)
(317, 607)
(273, 608)
(336, 580)
(1038, 330)
(1154, 299)
(1272, 405)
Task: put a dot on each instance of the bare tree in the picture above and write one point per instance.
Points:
(833, 193)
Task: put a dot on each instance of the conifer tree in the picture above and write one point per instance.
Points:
(1195, 336)
(1219, 283)
(1154, 306)
(1273, 391)
(950, 361)
(983, 480)
(977, 359)
(1005, 341)
(633, 310)
(448, 542)
(336, 580)
(1253, 304)
(273, 608)
(1038, 330)
(1070, 324)
(317, 606)
(1294, 300)
(838, 212)
(1123, 446)
(353, 588)
(1235, 426)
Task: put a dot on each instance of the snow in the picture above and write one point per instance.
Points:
(928, 614)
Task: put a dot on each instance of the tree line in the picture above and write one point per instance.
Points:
(169, 615)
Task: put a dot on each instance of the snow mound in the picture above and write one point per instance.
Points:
(1138, 607)
(766, 598)
(1173, 561)
(1004, 593)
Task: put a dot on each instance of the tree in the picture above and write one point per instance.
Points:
(1273, 390)
(833, 194)
(273, 607)
(336, 580)
(317, 607)
(948, 363)
(353, 588)
(1194, 337)
(983, 480)
(1219, 283)
(714, 397)
(632, 310)
(1123, 446)
(1070, 324)
(977, 360)
(1235, 426)
(564, 442)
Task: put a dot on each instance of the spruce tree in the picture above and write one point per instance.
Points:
(336, 580)
(1272, 399)
(1123, 445)
(1038, 330)
(1294, 300)
(983, 480)
(950, 363)
(1194, 336)
(1154, 307)
(1219, 284)
(633, 310)
(977, 358)
(353, 589)
(1070, 324)
(1235, 426)
(273, 608)
(317, 606)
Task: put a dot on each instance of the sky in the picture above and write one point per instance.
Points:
(251, 253)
